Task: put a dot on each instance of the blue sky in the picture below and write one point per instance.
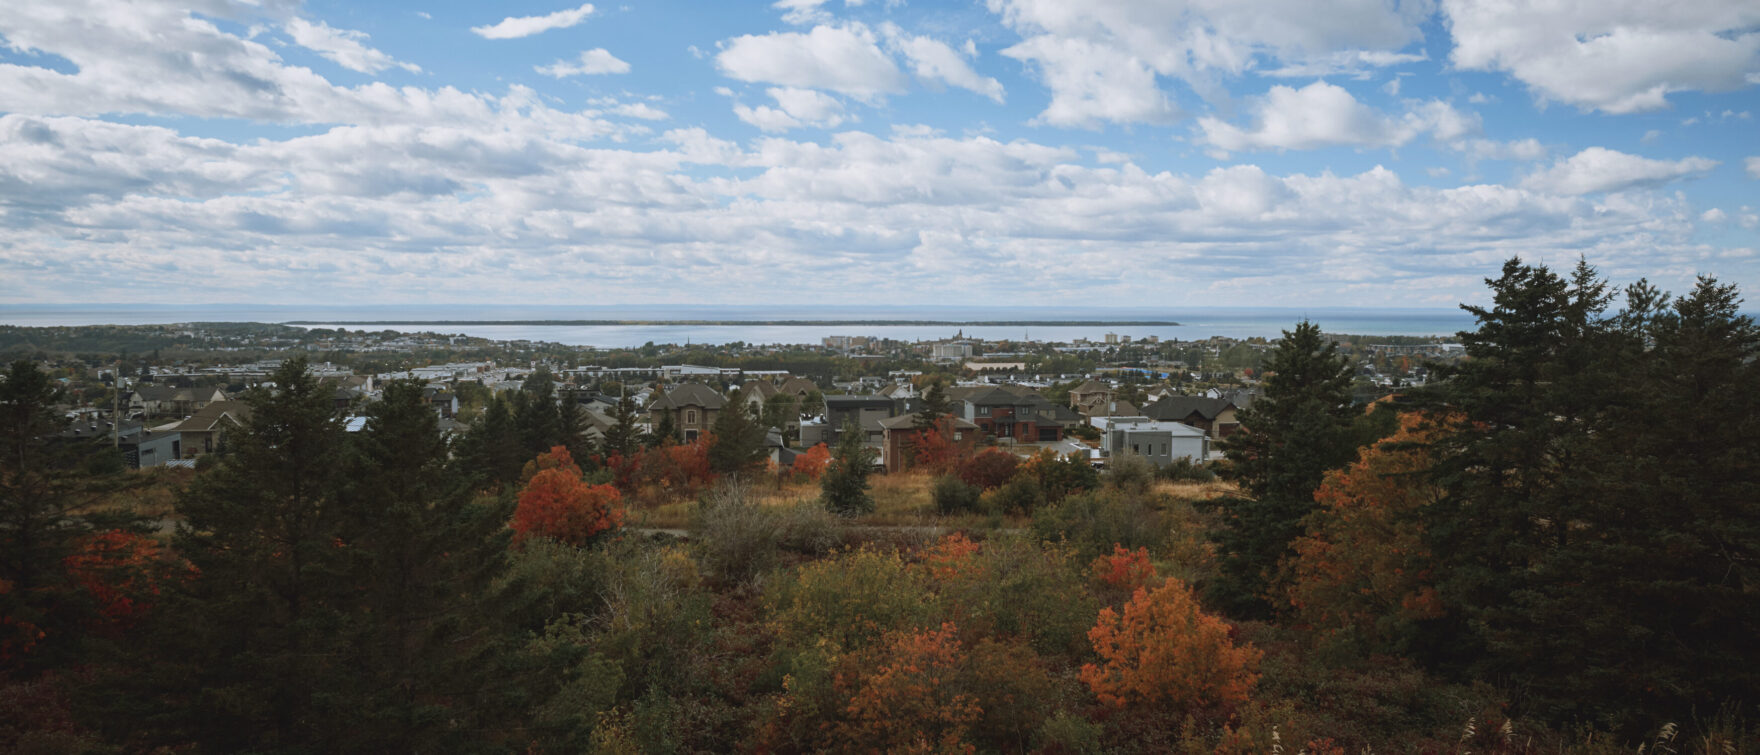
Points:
(994, 152)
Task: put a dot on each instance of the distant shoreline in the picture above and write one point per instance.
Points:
(738, 323)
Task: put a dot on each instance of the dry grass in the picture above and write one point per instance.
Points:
(1196, 491)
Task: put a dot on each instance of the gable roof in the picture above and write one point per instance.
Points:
(763, 389)
(1092, 386)
(1176, 408)
(210, 416)
(690, 394)
(798, 386)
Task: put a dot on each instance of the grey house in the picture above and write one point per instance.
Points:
(1158, 441)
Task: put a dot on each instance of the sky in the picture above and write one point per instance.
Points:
(1105, 153)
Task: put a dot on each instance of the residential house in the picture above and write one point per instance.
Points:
(1158, 441)
(754, 393)
(865, 412)
(1215, 416)
(206, 430)
(444, 401)
(1016, 413)
(896, 433)
(1090, 392)
(692, 407)
(799, 388)
(151, 400)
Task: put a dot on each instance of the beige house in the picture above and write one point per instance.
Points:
(206, 430)
(692, 408)
(1089, 393)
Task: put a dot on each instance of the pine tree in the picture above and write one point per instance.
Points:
(537, 415)
(491, 450)
(844, 486)
(251, 653)
(37, 524)
(621, 439)
(422, 552)
(739, 441)
(935, 405)
(1288, 439)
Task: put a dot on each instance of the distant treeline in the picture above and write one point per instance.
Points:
(577, 323)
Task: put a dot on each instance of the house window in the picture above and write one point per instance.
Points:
(690, 436)
(690, 416)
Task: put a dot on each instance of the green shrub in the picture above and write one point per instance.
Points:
(738, 539)
(1131, 472)
(953, 496)
(1021, 495)
(1183, 469)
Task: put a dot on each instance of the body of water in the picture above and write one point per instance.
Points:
(1194, 323)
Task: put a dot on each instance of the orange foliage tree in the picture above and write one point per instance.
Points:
(1362, 570)
(122, 572)
(558, 504)
(1165, 654)
(910, 700)
(811, 465)
(1124, 569)
(950, 558)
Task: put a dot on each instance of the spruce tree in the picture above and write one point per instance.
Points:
(253, 649)
(621, 439)
(739, 441)
(423, 552)
(844, 487)
(37, 521)
(1300, 427)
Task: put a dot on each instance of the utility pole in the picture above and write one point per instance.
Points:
(116, 408)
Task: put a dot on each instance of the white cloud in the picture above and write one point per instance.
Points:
(1753, 164)
(1616, 57)
(1529, 149)
(1324, 115)
(343, 47)
(1598, 169)
(514, 27)
(1102, 59)
(803, 12)
(934, 61)
(1094, 83)
(844, 59)
(795, 108)
(1713, 215)
(591, 62)
(641, 110)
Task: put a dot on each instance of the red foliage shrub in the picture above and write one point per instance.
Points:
(558, 504)
(910, 701)
(122, 572)
(990, 468)
(1123, 570)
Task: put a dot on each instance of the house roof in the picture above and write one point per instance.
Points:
(798, 386)
(1180, 407)
(211, 415)
(1100, 407)
(690, 394)
(854, 402)
(909, 421)
(763, 389)
(1092, 386)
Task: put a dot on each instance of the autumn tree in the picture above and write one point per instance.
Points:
(1165, 654)
(1362, 573)
(560, 505)
(811, 465)
(909, 698)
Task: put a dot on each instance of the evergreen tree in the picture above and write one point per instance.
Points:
(1300, 428)
(491, 450)
(739, 441)
(37, 521)
(665, 433)
(537, 415)
(422, 551)
(1597, 542)
(935, 405)
(573, 426)
(781, 412)
(252, 651)
(844, 486)
(622, 437)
